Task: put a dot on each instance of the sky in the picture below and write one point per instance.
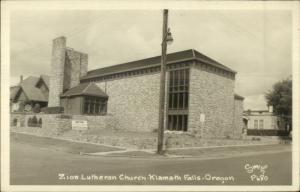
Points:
(255, 43)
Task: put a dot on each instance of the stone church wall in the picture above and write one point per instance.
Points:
(56, 124)
(212, 101)
(57, 71)
(238, 118)
(134, 101)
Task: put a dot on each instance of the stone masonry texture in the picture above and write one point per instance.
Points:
(134, 102)
(238, 118)
(53, 124)
(75, 67)
(213, 96)
(57, 71)
(67, 67)
(59, 126)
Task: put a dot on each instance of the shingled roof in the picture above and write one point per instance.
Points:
(88, 89)
(46, 79)
(28, 85)
(13, 91)
(190, 54)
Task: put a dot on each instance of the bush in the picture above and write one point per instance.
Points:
(267, 132)
(36, 108)
(34, 122)
(27, 108)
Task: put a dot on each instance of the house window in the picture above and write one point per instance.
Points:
(95, 105)
(255, 124)
(261, 124)
(178, 100)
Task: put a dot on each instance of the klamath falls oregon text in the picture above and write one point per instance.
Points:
(149, 177)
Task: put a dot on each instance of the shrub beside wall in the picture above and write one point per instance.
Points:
(267, 132)
(34, 122)
(59, 123)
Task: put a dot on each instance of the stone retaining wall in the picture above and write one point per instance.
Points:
(57, 124)
(188, 140)
(102, 130)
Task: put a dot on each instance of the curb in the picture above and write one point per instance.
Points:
(189, 157)
(224, 146)
(172, 149)
(152, 151)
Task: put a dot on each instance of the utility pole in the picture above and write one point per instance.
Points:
(162, 94)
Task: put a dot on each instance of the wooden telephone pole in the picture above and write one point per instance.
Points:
(162, 84)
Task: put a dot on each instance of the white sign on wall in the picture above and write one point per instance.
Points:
(79, 125)
(202, 117)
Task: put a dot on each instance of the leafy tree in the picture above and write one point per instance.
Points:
(280, 97)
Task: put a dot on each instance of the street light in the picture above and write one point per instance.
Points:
(166, 39)
(169, 39)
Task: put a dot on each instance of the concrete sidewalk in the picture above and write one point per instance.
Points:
(95, 149)
(199, 152)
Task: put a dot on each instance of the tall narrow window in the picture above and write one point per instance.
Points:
(178, 100)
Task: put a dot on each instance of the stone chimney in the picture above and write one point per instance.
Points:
(75, 67)
(67, 67)
(21, 79)
(57, 71)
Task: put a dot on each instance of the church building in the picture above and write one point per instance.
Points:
(200, 95)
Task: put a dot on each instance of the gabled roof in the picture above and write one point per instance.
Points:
(13, 91)
(46, 80)
(28, 85)
(88, 89)
(31, 91)
(210, 61)
(190, 54)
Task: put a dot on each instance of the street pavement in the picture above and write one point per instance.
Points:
(34, 165)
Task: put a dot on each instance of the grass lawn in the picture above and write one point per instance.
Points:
(59, 145)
